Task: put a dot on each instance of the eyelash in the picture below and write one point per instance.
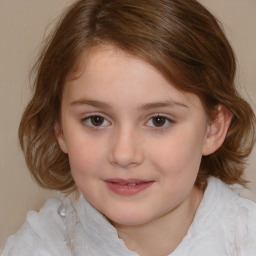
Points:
(88, 121)
(166, 124)
(103, 122)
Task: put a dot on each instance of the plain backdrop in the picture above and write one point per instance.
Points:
(23, 25)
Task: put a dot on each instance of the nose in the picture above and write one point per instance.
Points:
(126, 149)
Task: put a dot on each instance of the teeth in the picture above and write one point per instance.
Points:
(132, 184)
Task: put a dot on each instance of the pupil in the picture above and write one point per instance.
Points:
(97, 120)
(159, 121)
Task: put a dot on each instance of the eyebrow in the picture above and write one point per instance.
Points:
(162, 104)
(93, 103)
(147, 106)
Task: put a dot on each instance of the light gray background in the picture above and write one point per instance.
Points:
(23, 25)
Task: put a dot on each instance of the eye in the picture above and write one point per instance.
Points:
(159, 121)
(96, 121)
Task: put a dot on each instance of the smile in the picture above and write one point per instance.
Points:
(127, 187)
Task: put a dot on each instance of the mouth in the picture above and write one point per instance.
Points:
(127, 187)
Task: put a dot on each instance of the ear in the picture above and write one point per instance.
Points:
(60, 137)
(217, 130)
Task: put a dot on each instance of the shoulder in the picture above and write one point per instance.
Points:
(227, 199)
(43, 232)
(236, 213)
(225, 223)
(246, 225)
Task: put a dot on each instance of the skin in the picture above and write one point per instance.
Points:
(129, 96)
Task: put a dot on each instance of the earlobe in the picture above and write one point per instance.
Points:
(217, 130)
(60, 137)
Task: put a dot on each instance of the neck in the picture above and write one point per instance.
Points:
(161, 236)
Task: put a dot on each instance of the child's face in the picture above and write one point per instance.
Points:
(134, 141)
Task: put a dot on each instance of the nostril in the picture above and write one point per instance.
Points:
(126, 157)
(125, 151)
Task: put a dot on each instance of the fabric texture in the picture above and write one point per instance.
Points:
(225, 224)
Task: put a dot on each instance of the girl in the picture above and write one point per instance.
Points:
(135, 111)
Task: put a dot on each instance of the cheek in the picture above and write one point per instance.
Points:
(85, 157)
(180, 154)
(84, 168)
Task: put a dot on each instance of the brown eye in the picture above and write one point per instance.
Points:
(159, 121)
(96, 121)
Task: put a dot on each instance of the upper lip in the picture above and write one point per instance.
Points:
(127, 181)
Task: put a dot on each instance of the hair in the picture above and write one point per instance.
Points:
(180, 38)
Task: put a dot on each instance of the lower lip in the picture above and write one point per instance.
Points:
(126, 190)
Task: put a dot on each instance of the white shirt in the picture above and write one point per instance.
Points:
(224, 225)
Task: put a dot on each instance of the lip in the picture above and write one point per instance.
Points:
(127, 187)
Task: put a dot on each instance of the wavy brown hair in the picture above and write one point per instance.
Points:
(180, 38)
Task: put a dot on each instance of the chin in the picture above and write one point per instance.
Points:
(128, 219)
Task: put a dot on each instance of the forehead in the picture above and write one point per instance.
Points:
(107, 72)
